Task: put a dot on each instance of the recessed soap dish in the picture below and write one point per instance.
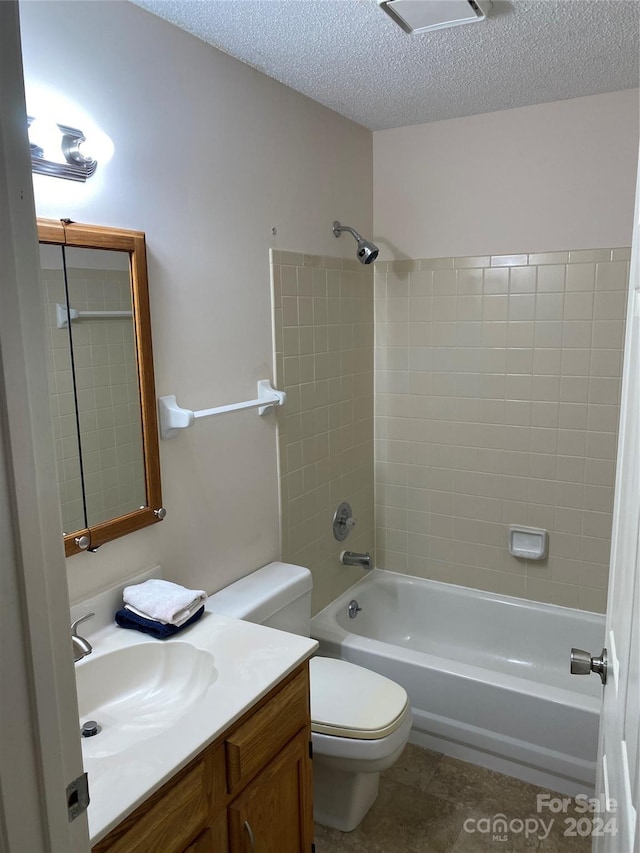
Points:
(531, 543)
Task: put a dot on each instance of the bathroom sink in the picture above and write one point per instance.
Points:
(135, 692)
(159, 703)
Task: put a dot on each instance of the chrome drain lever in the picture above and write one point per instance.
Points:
(353, 609)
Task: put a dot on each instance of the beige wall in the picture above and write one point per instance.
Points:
(549, 177)
(498, 355)
(497, 394)
(209, 156)
(323, 339)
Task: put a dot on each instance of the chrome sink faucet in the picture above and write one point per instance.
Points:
(81, 646)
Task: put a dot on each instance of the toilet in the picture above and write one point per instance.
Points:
(360, 720)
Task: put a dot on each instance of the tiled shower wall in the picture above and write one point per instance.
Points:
(108, 398)
(497, 397)
(323, 334)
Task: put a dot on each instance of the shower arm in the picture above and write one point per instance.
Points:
(338, 229)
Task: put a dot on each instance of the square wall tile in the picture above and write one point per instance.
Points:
(499, 380)
(323, 358)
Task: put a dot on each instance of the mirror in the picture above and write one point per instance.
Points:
(101, 385)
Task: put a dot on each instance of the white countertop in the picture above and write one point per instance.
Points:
(250, 660)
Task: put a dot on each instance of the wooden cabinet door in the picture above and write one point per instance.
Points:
(274, 814)
(213, 839)
(168, 820)
(202, 844)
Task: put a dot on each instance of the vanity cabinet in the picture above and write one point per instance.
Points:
(250, 790)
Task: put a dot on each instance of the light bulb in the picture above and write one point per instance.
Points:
(46, 135)
(98, 145)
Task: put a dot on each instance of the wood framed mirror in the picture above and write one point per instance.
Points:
(101, 382)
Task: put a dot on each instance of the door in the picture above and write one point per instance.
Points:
(617, 785)
(274, 814)
(39, 740)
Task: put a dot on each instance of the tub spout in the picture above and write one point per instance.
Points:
(352, 558)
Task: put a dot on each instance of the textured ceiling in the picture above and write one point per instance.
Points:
(350, 56)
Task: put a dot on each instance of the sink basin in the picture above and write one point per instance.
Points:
(135, 692)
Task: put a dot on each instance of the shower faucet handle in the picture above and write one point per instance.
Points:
(343, 521)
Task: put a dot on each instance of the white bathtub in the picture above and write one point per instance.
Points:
(487, 675)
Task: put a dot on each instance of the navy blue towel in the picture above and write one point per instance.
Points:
(128, 619)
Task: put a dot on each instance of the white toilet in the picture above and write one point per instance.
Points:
(360, 720)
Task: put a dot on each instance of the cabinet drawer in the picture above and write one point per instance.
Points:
(167, 822)
(255, 742)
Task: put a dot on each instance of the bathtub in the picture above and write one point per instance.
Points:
(487, 675)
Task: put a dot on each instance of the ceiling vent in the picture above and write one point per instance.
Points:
(422, 16)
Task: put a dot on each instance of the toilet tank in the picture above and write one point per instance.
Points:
(277, 595)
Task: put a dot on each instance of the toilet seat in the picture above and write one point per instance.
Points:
(350, 701)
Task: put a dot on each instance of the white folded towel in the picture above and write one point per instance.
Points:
(163, 601)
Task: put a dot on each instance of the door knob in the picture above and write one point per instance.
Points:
(582, 663)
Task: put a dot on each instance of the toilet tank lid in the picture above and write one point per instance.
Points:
(260, 594)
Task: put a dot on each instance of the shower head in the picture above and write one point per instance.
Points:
(367, 252)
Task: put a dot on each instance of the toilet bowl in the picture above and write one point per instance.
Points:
(360, 723)
(360, 720)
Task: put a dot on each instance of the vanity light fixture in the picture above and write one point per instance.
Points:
(56, 151)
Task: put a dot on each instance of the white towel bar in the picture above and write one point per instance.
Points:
(173, 417)
(62, 316)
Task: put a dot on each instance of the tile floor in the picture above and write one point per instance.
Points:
(426, 798)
